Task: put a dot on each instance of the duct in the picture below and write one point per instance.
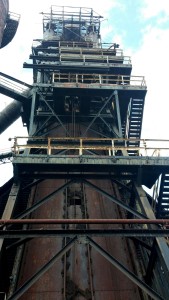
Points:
(9, 115)
(10, 29)
(4, 8)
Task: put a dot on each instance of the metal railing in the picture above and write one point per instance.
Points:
(76, 45)
(99, 79)
(103, 146)
(84, 58)
(84, 50)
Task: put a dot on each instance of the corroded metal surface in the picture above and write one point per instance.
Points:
(82, 273)
(109, 283)
(39, 251)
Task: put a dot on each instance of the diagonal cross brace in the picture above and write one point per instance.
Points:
(124, 270)
(17, 294)
(99, 112)
(45, 199)
(53, 112)
(115, 200)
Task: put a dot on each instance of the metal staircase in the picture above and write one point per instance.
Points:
(163, 199)
(134, 123)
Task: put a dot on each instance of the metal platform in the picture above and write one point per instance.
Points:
(144, 169)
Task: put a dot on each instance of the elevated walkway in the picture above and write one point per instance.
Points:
(14, 88)
(90, 157)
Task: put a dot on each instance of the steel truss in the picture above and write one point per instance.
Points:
(109, 105)
(110, 258)
(83, 236)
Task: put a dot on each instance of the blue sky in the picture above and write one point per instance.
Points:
(141, 27)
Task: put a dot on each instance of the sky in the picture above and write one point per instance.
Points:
(141, 27)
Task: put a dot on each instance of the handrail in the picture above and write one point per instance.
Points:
(116, 52)
(101, 79)
(73, 44)
(89, 57)
(80, 57)
(112, 146)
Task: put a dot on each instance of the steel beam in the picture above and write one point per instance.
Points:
(31, 122)
(98, 114)
(53, 112)
(41, 271)
(9, 207)
(125, 271)
(18, 243)
(42, 126)
(151, 264)
(42, 201)
(36, 233)
(140, 242)
(118, 114)
(115, 200)
(109, 127)
(122, 185)
(30, 185)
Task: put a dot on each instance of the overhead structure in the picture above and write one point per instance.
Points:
(75, 220)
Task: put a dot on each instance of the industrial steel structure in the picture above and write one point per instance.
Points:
(75, 220)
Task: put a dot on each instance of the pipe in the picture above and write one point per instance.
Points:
(9, 115)
(85, 221)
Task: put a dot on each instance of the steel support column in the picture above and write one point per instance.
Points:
(9, 207)
(118, 114)
(31, 121)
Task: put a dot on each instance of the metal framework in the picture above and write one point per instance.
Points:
(79, 174)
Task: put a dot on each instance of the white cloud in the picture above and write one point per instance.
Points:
(151, 60)
(152, 8)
